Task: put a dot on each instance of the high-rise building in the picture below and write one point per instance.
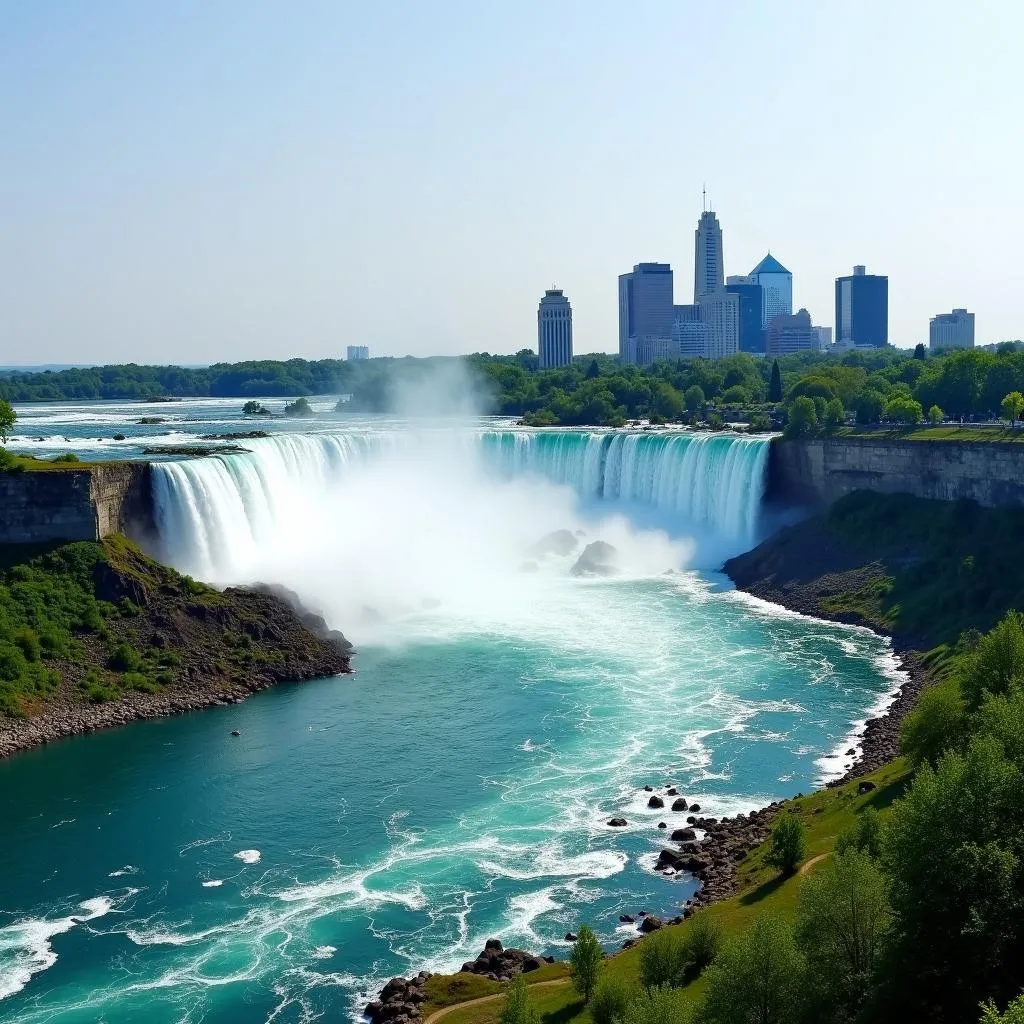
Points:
(688, 333)
(951, 330)
(824, 338)
(776, 289)
(708, 265)
(645, 307)
(720, 314)
(862, 309)
(554, 329)
(791, 332)
(357, 352)
(751, 331)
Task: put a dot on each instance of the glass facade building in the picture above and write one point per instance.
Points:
(862, 309)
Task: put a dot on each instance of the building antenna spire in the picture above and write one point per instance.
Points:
(704, 196)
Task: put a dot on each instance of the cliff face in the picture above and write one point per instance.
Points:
(819, 471)
(87, 503)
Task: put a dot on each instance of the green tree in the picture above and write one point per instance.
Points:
(864, 835)
(775, 383)
(803, 418)
(736, 395)
(299, 408)
(757, 977)
(835, 417)
(869, 406)
(789, 844)
(585, 962)
(997, 661)
(903, 410)
(702, 943)
(667, 402)
(593, 370)
(1012, 406)
(935, 415)
(7, 420)
(920, 352)
(518, 1007)
(1014, 1013)
(936, 724)
(841, 924)
(663, 958)
(694, 398)
(252, 408)
(611, 999)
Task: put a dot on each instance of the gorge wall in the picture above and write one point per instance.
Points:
(84, 503)
(816, 472)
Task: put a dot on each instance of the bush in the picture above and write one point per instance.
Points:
(28, 640)
(865, 835)
(663, 958)
(997, 661)
(1014, 1013)
(835, 416)
(935, 725)
(659, 1006)
(124, 658)
(802, 418)
(903, 410)
(518, 1007)
(610, 1000)
(585, 962)
(703, 941)
(789, 844)
(299, 408)
(935, 415)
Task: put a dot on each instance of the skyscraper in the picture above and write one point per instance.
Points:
(951, 330)
(720, 314)
(792, 333)
(776, 289)
(708, 265)
(357, 352)
(554, 329)
(751, 331)
(862, 309)
(645, 308)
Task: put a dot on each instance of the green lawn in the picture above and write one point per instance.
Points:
(826, 815)
(946, 432)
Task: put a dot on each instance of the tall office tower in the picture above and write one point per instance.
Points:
(951, 330)
(789, 333)
(720, 314)
(824, 338)
(776, 289)
(862, 309)
(645, 307)
(708, 266)
(357, 352)
(751, 331)
(554, 329)
(688, 333)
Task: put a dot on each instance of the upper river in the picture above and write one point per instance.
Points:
(458, 785)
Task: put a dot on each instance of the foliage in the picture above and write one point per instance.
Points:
(864, 836)
(519, 1008)
(920, 352)
(659, 1006)
(1012, 406)
(757, 976)
(663, 959)
(299, 408)
(997, 660)
(611, 999)
(902, 409)
(936, 724)
(935, 415)
(703, 941)
(841, 923)
(869, 406)
(775, 383)
(835, 417)
(7, 419)
(803, 418)
(1014, 1013)
(585, 962)
(254, 408)
(789, 843)
(694, 398)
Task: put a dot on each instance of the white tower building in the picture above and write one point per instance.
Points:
(708, 264)
(554, 329)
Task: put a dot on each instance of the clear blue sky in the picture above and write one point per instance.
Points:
(188, 181)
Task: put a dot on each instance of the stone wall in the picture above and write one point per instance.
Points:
(817, 472)
(39, 507)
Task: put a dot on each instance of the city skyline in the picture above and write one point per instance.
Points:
(254, 181)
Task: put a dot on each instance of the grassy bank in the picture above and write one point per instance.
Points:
(996, 433)
(826, 815)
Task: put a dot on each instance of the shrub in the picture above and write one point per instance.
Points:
(27, 639)
(865, 835)
(935, 415)
(835, 416)
(936, 724)
(703, 941)
(124, 658)
(997, 661)
(802, 419)
(611, 999)
(585, 962)
(789, 844)
(659, 1006)
(662, 958)
(518, 1007)
(1014, 1013)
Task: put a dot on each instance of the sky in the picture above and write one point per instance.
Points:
(185, 181)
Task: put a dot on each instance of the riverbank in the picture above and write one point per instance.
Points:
(96, 635)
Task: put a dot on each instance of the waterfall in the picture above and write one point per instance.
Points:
(215, 513)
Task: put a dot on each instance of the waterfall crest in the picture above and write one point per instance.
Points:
(217, 511)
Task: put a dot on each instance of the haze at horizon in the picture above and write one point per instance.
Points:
(188, 183)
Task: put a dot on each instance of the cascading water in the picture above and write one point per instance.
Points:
(214, 514)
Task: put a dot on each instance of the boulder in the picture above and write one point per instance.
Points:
(680, 804)
(672, 791)
(570, 937)
(558, 542)
(662, 824)
(618, 822)
(626, 919)
(655, 801)
(695, 808)
(648, 789)
(681, 835)
(597, 559)
(532, 963)
(494, 944)
(650, 924)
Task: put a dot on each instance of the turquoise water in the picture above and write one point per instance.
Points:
(458, 785)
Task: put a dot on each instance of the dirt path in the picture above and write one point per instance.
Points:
(807, 865)
(445, 1010)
